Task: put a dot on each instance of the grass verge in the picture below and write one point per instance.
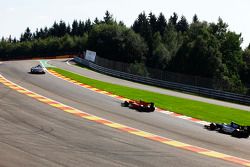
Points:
(195, 109)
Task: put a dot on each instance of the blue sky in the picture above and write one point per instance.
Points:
(17, 15)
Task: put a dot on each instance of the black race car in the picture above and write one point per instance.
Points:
(141, 106)
(37, 70)
(233, 129)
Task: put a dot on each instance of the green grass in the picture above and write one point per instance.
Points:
(195, 109)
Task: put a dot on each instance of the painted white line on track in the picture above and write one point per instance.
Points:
(43, 66)
(68, 61)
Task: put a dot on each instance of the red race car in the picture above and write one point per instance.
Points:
(141, 106)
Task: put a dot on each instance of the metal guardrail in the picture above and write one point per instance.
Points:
(165, 84)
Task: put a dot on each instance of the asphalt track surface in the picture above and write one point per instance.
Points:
(94, 75)
(35, 134)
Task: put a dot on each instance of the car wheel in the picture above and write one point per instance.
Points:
(236, 134)
(152, 109)
(246, 135)
(125, 104)
(220, 130)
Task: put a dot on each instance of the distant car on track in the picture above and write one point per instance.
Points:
(37, 70)
(233, 129)
(140, 106)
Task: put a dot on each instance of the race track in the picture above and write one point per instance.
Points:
(36, 134)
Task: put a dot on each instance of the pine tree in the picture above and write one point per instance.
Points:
(142, 26)
(153, 22)
(68, 29)
(195, 19)
(173, 19)
(182, 25)
(121, 23)
(88, 26)
(10, 39)
(75, 28)
(81, 27)
(161, 24)
(54, 30)
(45, 32)
(36, 35)
(160, 55)
(108, 18)
(15, 40)
(27, 36)
(62, 29)
(96, 21)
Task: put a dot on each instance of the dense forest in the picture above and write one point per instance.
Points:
(195, 48)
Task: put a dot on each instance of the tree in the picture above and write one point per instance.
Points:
(165, 48)
(219, 29)
(153, 22)
(68, 29)
(75, 28)
(81, 43)
(10, 39)
(195, 19)
(62, 29)
(96, 21)
(160, 56)
(138, 69)
(68, 44)
(82, 28)
(27, 36)
(232, 52)
(14, 40)
(173, 19)
(199, 54)
(161, 24)
(116, 42)
(108, 18)
(36, 35)
(121, 23)
(45, 33)
(182, 25)
(229, 46)
(245, 72)
(142, 26)
(172, 40)
(88, 26)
